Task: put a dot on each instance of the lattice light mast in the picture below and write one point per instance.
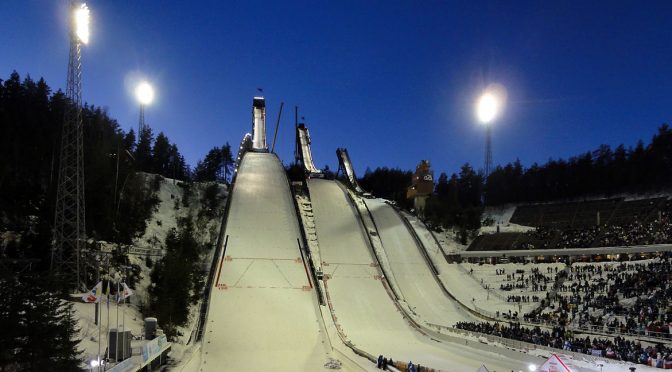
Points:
(488, 151)
(69, 237)
(144, 93)
(488, 108)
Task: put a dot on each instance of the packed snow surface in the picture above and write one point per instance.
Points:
(263, 314)
(364, 309)
(417, 282)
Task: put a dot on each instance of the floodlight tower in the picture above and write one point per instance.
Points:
(145, 95)
(69, 236)
(487, 109)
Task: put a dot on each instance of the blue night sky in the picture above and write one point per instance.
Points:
(393, 81)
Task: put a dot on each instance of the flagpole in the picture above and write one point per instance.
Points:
(108, 314)
(99, 315)
(123, 325)
(116, 346)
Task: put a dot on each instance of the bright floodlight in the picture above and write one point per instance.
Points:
(145, 93)
(487, 108)
(491, 103)
(82, 23)
(532, 367)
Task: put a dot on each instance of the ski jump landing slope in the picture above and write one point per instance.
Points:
(364, 310)
(263, 314)
(417, 282)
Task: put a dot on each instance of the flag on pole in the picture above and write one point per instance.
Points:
(107, 297)
(125, 293)
(94, 295)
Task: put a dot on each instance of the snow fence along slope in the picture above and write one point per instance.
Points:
(365, 311)
(263, 314)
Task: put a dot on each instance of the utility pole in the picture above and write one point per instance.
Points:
(69, 237)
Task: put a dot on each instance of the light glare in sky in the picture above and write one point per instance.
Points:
(144, 93)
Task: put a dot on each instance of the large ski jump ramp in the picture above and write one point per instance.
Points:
(263, 314)
(364, 310)
(417, 282)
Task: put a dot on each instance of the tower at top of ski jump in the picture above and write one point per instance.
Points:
(259, 125)
(305, 155)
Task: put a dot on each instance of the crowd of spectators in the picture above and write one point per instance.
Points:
(535, 281)
(642, 230)
(619, 348)
(627, 297)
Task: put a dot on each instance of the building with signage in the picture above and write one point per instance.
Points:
(422, 186)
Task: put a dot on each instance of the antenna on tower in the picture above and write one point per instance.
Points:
(69, 237)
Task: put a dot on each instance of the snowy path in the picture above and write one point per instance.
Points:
(263, 313)
(364, 310)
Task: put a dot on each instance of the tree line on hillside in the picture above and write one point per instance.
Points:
(458, 199)
(216, 166)
(118, 198)
(122, 176)
(456, 202)
(603, 171)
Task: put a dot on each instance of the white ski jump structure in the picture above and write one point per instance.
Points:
(381, 294)
(345, 165)
(259, 125)
(305, 155)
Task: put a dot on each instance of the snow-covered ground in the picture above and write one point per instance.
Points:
(419, 286)
(501, 219)
(88, 330)
(152, 242)
(364, 309)
(495, 299)
(263, 313)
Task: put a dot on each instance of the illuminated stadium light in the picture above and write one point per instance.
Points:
(490, 104)
(144, 93)
(488, 108)
(82, 23)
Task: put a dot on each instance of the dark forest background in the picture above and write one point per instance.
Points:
(122, 173)
(458, 199)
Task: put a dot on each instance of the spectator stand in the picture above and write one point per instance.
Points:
(632, 299)
(596, 223)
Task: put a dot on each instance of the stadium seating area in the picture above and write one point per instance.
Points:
(618, 301)
(626, 298)
(575, 225)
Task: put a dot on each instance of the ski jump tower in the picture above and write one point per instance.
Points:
(345, 167)
(304, 153)
(259, 125)
(69, 237)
